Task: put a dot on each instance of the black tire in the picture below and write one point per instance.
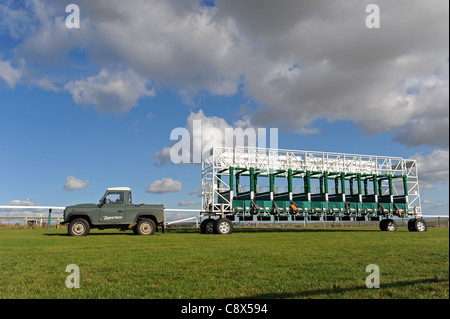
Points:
(411, 224)
(207, 226)
(145, 227)
(223, 226)
(383, 224)
(388, 225)
(391, 225)
(420, 225)
(78, 227)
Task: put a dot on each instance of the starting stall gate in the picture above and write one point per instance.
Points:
(243, 183)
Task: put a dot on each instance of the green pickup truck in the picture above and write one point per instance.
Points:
(115, 210)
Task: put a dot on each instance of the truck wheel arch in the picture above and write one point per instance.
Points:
(85, 216)
(145, 215)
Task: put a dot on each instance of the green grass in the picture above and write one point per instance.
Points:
(250, 263)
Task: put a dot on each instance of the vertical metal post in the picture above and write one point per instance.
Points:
(271, 183)
(289, 181)
(252, 183)
(49, 218)
(232, 179)
(308, 182)
(405, 185)
(343, 183)
(375, 184)
(358, 178)
(321, 185)
(391, 186)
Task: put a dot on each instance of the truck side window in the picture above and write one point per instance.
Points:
(115, 198)
(129, 198)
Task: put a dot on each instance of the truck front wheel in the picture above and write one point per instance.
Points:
(78, 227)
(145, 227)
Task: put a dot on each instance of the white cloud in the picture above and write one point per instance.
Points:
(15, 22)
(18, 202)
(196, 192)
(163, 157)
(211, 131)
(180, 45)
(178, 216)
(74, 184)
(298, 61)
(9, 74)
(112, 92)
(165, 185)
(196, 142)
(317, 60)
(188, 203)
(46, 84)
(432, 168)
(200, 137)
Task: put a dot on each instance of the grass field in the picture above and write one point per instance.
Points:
(250, 263)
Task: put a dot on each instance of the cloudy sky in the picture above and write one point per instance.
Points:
(87, 108)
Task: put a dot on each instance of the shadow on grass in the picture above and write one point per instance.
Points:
(98, 233)
(301, 229)
(243, 229)
(337, 290)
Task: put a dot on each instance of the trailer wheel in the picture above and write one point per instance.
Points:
(78, 227)
(391, 225)
(411, 225)
(207, 226)
(420, 225)
(145, 227)
(383, 225)
(388, 225)
(223, 226)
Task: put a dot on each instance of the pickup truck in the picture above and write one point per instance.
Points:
(115, 210)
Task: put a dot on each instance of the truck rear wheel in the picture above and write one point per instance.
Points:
(145, 227)
(78, 227)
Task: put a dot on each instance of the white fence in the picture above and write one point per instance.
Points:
(51, 210)
(34, 219)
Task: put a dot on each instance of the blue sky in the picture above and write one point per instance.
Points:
(98, 103)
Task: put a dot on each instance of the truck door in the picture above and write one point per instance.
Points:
(113, 210)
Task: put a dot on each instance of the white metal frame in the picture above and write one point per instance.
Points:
(218, 159)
